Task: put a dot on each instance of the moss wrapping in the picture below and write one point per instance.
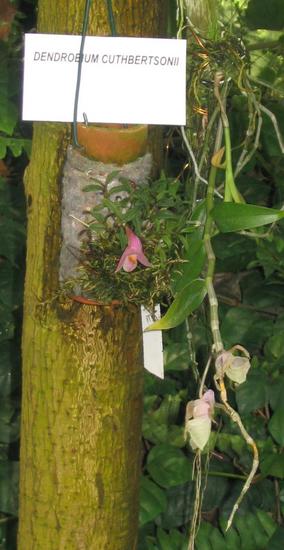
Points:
(79, 172)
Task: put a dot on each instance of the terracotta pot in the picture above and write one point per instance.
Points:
(113, 143)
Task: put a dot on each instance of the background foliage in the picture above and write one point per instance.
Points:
(14, 149)
(249, 284)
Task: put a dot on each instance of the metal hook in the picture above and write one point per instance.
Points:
(86, 122)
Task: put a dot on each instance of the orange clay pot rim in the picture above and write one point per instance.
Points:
(89, 302)
(119, 128)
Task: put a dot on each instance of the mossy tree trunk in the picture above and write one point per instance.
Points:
(82, 365)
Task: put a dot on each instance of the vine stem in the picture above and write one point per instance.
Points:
(213, 305)
(211, 260)
(231, 192)
(275, 125)
(220, 385)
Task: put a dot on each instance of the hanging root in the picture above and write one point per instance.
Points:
(197, 465)
(249, 440)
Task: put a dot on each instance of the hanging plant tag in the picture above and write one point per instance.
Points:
(152, 343)
(124, 80)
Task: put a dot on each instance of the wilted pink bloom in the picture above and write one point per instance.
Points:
(235, 367)
(198, 420)
(132, 254)
(205, 405)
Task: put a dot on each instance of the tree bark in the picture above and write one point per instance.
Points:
(82, 364)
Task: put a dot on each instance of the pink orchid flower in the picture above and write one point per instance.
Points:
(132, 254)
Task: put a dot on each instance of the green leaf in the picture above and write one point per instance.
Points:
(276, 425)
(96, 187)
(215, 490)
(176, 356)
(161, 433)
(187, 272)
(8, 116)
(159, 425)
(180, 500)
(232, 538)
(204, 536)
(272, 464)
(276, 541)
(3, 147)
(231, 216)
(230, 444)
(276, 391)
(7, 324)
(266, 521)
(247, 542)
(9, 421)
(252, 533)
(245, 326)
(183, 305)
(173, 540)
(9, 478)
(153, 501)
(253, 394)
(9, 369)
(262, 14)
(168, 466)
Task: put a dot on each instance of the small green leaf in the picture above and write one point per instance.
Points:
(173, 540)
(261, 14)
(176, 356)
(185, 302)
(272, 464)
(231, 216)
(276, 541)
(276, 425)
(168, 466)
(204, 536)
(266, 521)
(9, 480)
(97, 187)
(153, 501)
(180, 500)
(253, 394)
(8, 116)
(3, 147)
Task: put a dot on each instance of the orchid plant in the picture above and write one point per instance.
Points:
(157, 215)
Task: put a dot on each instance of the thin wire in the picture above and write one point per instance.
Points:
(79, 73)
(111, 18)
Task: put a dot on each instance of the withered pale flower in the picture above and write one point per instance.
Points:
(198, 420)
(235, 367)
(132, 254)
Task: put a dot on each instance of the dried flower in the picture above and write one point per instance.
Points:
(132, 254)
(235, 367)
(198, 420)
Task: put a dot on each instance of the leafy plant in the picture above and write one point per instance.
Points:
(157, 212)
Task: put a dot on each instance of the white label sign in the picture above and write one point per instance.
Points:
(152, 343)
(124, 80)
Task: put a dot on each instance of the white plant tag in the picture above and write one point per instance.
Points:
(152, 343)
(124, 80)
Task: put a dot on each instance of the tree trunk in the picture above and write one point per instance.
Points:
(82, 364)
